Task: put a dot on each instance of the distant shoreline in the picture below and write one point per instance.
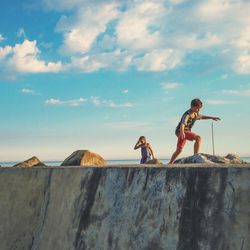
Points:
(109, 162)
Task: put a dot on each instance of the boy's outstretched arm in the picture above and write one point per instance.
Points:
(205, 117)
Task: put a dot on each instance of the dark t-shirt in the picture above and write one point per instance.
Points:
(188, 121)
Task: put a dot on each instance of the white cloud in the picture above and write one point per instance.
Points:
(230, 19)
(193, 41)
(2, 38)
(218, 102)
(137, 33)
(133, 29)
(21, 33)
(213, 9)
(242, 65)
(109, 103)
(170, 85)
(237, 92)
(115, 60)
(95, 100)
(244, 40)
(72, 103)
(29, 91)
(81, 30)
(224, 77)
(158, 60)
(85, 64)
(176, 1)
(150, 35)
(4, 51)
(221, 10)
(112, 104)
(24, 58)
(125, 91)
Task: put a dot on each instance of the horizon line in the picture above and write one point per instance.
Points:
(160, 158)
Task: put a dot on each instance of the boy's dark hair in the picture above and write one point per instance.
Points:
(196, 103)
(142, 137)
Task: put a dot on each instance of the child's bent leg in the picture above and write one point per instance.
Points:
(197, 144)
(175, 155)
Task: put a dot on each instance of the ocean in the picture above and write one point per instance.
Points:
(110, 162)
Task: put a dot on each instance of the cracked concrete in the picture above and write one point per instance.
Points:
(130, 207)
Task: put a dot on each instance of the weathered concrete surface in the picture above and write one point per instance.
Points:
(182, 208)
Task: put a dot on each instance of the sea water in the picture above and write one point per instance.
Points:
(110, 162)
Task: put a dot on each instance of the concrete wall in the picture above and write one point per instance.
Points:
(182, 208)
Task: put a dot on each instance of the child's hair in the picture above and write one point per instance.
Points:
(142, 137)
(196, 103)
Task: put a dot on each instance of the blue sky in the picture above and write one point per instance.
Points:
(98, 74)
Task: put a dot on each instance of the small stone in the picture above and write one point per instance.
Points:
(233, 158)
(154, 162)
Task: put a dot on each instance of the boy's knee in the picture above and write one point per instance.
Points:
(178, 150)
(198, 138)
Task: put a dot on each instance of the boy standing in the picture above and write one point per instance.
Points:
(183, 130)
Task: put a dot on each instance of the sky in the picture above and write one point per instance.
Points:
(81, 74)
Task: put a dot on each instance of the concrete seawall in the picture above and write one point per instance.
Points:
(182, 208)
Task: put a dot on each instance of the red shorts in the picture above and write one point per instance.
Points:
(188, 136)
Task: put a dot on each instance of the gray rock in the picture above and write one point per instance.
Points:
(210, 159)
(84, 158)
(234, 159)
(32, 162)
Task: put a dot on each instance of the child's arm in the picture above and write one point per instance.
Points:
(182, 126)
(151, 150)
(182, 133)
(205, 117)
(137, 145)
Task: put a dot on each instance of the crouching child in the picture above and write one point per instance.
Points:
(146, 149)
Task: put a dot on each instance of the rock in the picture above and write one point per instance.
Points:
(198, 158)
(84, 158)
(32, 162)
(209, 159)
(154, 162)
(234, 159)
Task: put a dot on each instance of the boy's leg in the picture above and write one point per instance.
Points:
(193, 137)
(180, 145)
(197, 144)
(175, 155)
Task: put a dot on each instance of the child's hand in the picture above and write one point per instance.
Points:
(182, 135)
(216, 118)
